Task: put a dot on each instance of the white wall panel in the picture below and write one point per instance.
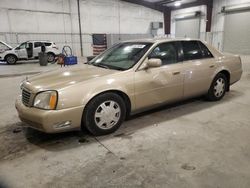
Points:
(4, 21)
(23, 21)
(57, 20)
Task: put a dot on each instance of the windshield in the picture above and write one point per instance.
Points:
(122, 56)
(21, 46)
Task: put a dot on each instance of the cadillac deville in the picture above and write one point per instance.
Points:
(128, 78)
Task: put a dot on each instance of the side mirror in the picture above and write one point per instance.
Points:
(154, 62)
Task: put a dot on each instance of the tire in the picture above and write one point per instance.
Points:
(11, 59)
(51, 57)
(104, 114)
(218, 88)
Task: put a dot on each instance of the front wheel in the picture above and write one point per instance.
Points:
(218, 87)
(11, 59)
(104, 114)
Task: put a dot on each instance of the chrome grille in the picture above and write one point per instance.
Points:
(26, 95)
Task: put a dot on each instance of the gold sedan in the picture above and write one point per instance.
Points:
(128, 78)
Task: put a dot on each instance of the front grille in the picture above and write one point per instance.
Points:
(26, 95)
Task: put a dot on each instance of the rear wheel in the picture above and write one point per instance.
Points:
(218, 87)
(51, 57)
(104, 114)
(11, 59)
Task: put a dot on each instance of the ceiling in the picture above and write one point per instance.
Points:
(168, 5)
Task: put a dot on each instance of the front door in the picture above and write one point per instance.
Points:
(154, 86)
(21, 51)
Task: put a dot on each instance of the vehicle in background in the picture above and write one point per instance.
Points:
(26, 51)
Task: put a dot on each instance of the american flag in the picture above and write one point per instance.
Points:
(99, 43)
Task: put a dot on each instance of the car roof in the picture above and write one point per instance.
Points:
(39, 41)
(161, 39)
(158, 40)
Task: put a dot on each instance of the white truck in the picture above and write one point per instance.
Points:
(26, 51)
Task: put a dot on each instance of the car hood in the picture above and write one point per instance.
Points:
(65, 77)
(8, 46)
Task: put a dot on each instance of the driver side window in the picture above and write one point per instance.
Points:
(167, 52)
(23, 46)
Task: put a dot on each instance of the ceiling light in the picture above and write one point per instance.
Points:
(177, 3)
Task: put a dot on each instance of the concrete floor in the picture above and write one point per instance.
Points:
(190, 144)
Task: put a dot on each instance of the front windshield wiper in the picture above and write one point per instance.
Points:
(101, 65)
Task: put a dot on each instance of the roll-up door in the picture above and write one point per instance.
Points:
(187, 27)
(237, 32)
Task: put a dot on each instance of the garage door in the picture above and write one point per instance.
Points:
(237, 33)
(187, 28)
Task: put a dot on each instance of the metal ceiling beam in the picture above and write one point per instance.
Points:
(167, 10)
(208, 3)
(209, 16)
(154, 6)
(165, 2)
(167, 22)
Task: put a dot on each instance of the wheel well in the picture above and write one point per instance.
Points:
(51, 53)
(123, 95)
(126, 99)
(227, 74)
(9, 55)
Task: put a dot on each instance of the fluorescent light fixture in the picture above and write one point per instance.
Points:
(177, 3)
(235, 8)
(187, 15)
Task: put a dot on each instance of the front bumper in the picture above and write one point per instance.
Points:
(50, 121)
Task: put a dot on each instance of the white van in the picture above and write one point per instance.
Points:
(26, 51)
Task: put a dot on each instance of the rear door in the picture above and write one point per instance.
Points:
(158, 85)
(37, 48)
(199, 65)
(29, 49)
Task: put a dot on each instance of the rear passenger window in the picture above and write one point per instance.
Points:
(191, 50)
(205, 51)
(37, 44)
(47, 44)
(167, 52)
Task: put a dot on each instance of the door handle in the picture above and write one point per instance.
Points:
(176, 73)
(211, 66)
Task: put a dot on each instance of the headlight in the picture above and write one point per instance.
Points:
(46, 100)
